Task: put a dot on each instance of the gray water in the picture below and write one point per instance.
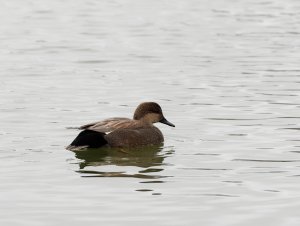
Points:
(226, 73)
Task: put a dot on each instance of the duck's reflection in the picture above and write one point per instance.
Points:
(148, 160)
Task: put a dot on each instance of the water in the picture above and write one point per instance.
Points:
(226, 73)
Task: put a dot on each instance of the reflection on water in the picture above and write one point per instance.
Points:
(149, 159)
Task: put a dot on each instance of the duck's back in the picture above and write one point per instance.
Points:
(135, 137)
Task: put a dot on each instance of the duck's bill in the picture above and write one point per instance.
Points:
(165, 121)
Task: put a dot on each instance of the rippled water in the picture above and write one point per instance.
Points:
(226, 73)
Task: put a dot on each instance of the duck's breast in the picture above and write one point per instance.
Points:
(135, 137)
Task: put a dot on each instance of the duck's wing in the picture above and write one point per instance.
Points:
(111, 124)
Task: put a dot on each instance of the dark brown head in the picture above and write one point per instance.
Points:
(150, 112)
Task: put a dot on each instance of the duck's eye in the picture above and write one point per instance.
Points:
(155, 111)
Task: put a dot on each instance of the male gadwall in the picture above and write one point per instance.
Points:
(123, 132)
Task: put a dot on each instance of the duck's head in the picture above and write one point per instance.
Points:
(150, 112)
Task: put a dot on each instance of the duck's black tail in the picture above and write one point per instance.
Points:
(87, 139)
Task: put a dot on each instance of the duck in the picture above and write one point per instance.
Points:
(123, 132)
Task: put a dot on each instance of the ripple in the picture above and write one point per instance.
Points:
(205, 169)
(151, 170)
(152, 182)
(292, 128)
(237, 134)
(221, 195)
(269, 190)
(118, 174)
(94, 61)
(265, 160)
(236, 119)
(144, 190)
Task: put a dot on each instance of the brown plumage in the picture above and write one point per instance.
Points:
(123, 132)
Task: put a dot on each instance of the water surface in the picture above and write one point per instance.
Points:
(226, 73)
